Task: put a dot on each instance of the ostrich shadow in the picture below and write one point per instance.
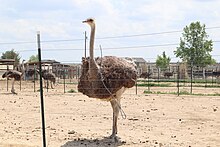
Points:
(104, 142)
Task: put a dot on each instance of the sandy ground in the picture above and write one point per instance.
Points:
(73, 119)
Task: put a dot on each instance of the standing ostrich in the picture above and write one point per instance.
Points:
(145, 75)
(216, 73)
(168, 74)
(45, 75)
(30, 72)
(48, 76)
(106, 78)
(14, 75)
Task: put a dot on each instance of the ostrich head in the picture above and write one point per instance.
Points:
(90, 21)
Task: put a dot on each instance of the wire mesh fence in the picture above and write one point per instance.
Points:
(174, 80)
(155, 80)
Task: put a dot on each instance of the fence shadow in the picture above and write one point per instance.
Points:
(104, 142)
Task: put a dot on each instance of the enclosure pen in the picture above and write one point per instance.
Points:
(186, 101)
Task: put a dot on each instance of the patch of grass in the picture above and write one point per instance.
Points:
(215, 94)
(169, 84)
(183, 93)
(212, 86)
(147, 92)
(71, 91)
(154, 85)
(208, 81)
(180, 93)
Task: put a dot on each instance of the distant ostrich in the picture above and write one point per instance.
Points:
(216, 73)
(14, 75)
(48, 76)
(45, 75)
(168, 74)
(106, 78)
(30, 72)
(145, 75)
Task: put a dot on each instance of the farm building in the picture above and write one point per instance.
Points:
(55, 67)
(6, 64)
(141, 64)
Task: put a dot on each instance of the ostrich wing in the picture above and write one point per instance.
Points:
(117, 72)
(12, 74)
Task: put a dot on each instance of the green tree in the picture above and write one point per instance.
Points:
(12, 54)
(163, 61)
(33, 58)
(194, 46)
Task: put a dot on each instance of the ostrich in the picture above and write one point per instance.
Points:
(145, 75)
(216, 73)
(106, 78)
(14, 75)
(30, 72)
(48, 76)
(45, 75)
(168, 74)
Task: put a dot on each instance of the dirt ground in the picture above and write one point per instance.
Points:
(73, 119)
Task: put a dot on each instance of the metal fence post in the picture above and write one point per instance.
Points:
(41, 91)
(7, 78)
(178, 78)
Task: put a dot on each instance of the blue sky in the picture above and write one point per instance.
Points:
(62, 20)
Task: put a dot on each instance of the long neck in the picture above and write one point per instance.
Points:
(92, 39)
(93, 67)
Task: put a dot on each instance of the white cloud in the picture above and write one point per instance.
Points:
(57, 19)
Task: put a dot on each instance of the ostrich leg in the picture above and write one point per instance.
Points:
(52, 85)
(12, 87)
(115, 103)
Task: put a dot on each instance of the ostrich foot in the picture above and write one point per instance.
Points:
(114, 138)
(13, 91)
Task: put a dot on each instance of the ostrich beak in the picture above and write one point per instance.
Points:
(84, 21)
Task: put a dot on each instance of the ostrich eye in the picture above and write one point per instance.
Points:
(90, 20)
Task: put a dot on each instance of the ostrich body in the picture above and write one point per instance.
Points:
(145, 75)
(30, 72)
(45, 75)
(48, 76)
(106, 78)
(168, 74)
(14, 75)
(216, 73)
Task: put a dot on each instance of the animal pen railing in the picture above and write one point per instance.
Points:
(181, 81)
(159, 81)
(68, 87)
(173, 82)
